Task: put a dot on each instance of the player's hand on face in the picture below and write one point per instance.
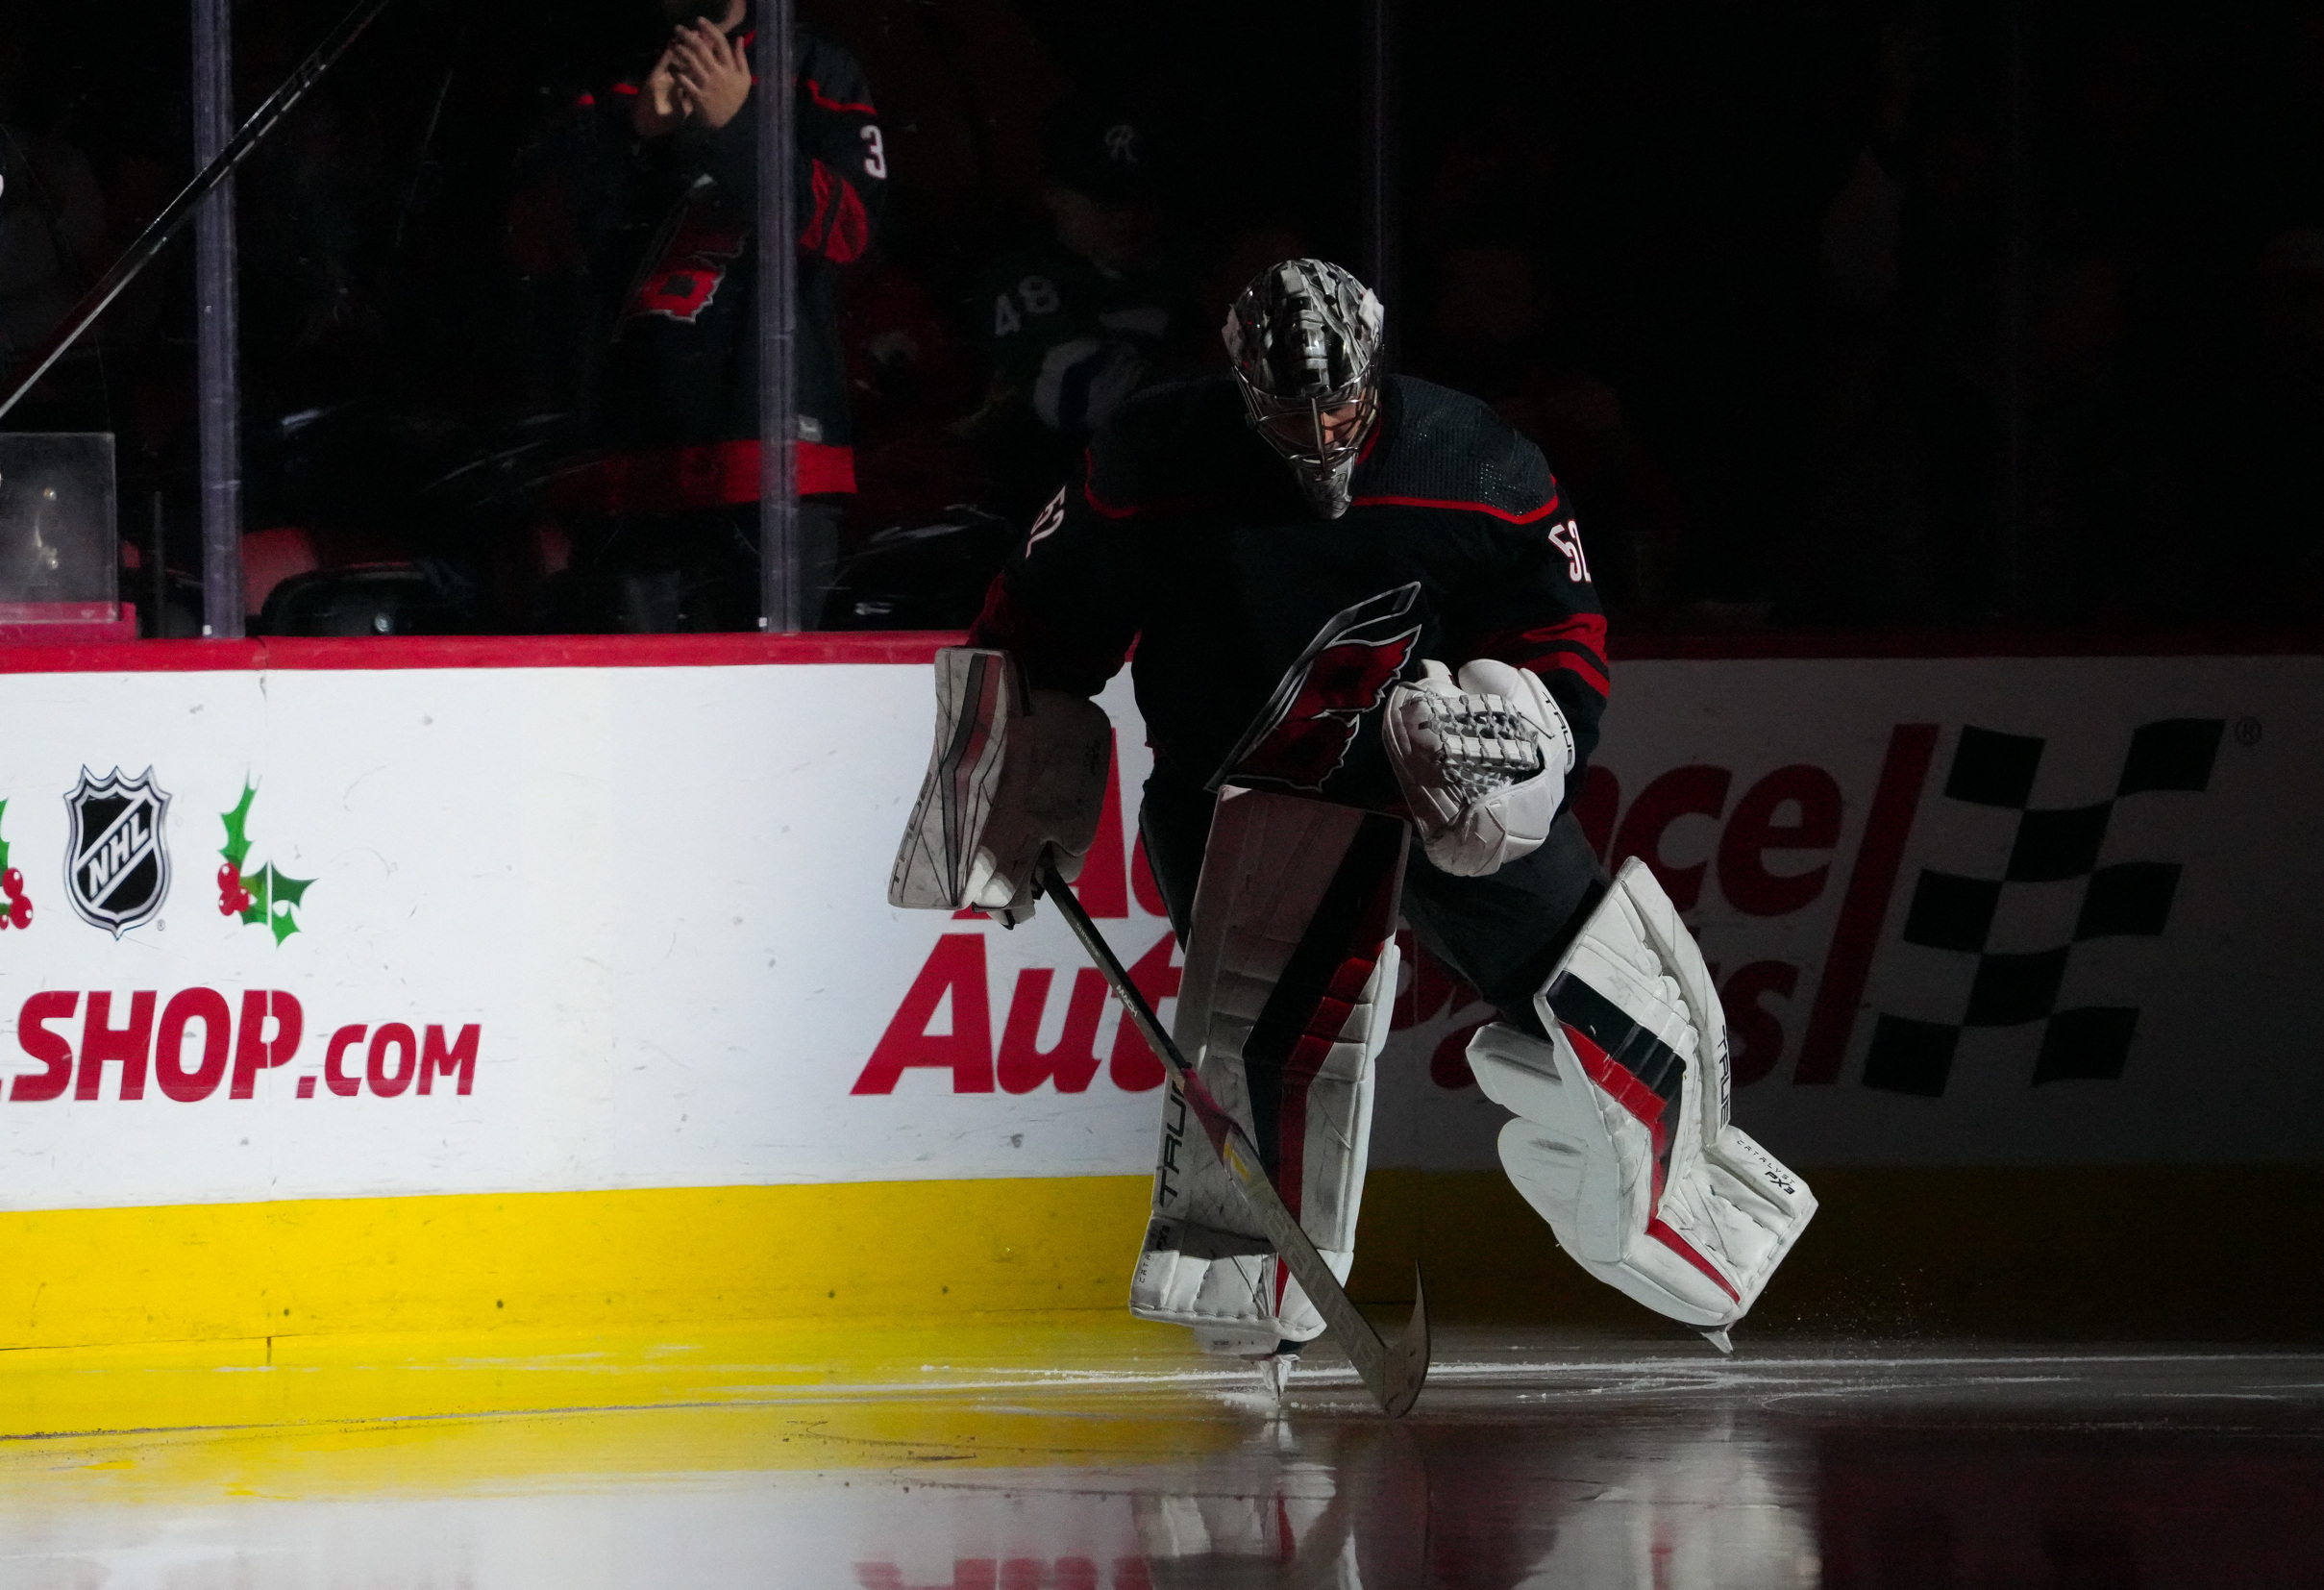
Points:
(714, 73)
(661, 103)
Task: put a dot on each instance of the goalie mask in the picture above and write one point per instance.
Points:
(1304, 340)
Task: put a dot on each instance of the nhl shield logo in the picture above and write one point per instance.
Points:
(117, 871)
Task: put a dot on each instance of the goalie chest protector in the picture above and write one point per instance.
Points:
(1268, 638)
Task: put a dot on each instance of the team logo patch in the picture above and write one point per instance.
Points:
(686, 274)
(116, 869)
(1300, 737)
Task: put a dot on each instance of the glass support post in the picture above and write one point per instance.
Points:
(1379, 171)
(217, 361)
(782, 599)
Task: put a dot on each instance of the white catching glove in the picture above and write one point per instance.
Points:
(1482, 760)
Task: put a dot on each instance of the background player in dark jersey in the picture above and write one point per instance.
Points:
(1076, 319)
(667, 512)
(1350, 590)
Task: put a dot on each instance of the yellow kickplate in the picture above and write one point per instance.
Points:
(565, 1261)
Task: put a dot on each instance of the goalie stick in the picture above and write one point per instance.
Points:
(1393, 1375)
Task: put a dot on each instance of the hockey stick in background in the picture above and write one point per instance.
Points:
(158, 232)
(1393, 1375)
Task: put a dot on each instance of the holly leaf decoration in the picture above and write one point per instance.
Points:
(2, 842)
(270, 890)
(238, 843)
(274, 899)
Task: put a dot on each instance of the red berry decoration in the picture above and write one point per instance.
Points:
(21, 912)
(12, 881)
(229, 877)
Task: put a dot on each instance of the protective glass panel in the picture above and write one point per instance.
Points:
(57, 558)
(1850, 321)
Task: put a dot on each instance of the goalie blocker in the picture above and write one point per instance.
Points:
(1014, 773)
(1622, 1140)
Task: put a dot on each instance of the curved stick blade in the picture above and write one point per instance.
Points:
(1408, 1359)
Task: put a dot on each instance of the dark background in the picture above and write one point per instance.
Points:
(1827, 315)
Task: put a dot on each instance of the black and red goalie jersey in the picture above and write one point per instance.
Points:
(1267, 639)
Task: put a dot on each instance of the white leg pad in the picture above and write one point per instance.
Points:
(1290, 979)
(1621, 1139)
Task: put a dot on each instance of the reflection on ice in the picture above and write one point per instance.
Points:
(1358, 1503)
(1529, 1466)
(1310, 1507)
(1015, 1574)
(1714, 1509)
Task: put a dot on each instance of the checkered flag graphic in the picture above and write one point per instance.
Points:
(1950, 922)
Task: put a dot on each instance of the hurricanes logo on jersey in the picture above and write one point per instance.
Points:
(685, 276)
(1301, 736)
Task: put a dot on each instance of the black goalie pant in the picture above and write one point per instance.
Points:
(1501, 933)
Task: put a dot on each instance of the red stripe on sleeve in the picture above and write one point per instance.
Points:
(1580, 667)
(1089, 491)
(1577, 645)
(818, 208)
(851, 231)
(1584, 628)
(827, 102)
(1511, 516)
(839, 228)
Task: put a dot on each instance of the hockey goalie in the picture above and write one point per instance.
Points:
(1371, 668)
